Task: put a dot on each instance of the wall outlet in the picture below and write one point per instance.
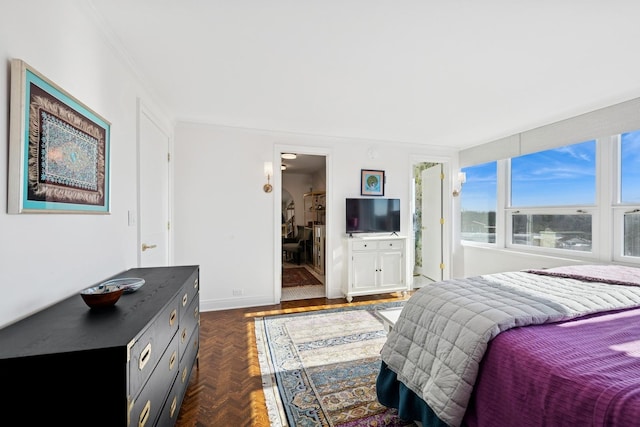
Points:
(237, 292)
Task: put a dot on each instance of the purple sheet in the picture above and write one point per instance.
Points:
(583, 372)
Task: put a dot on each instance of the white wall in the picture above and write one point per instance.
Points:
(46, 257)
(225, 222)
(484, 260)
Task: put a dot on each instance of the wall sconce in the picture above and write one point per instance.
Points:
(268, 171)
(462, 178)
(283, 167)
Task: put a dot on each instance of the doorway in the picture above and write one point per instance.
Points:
(303, 206)
(429, 223)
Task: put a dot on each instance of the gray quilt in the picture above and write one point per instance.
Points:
(437, 344)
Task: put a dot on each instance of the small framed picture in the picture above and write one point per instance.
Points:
(371, 182)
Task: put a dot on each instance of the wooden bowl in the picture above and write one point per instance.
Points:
(102, 295)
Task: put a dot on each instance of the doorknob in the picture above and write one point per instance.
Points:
(145, 247)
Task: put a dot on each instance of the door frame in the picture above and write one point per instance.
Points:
(164, 126)
(447, 232)
(277, 226)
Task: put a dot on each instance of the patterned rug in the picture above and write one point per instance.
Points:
(298, 276)
(320, 368)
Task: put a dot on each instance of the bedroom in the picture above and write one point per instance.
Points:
(498, 73)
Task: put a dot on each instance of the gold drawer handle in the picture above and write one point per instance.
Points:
(131, 403)
(172, 361)
(144, 415)
(184, 335)
(195, 284)
(174, 403)
(145, 356)
(195, 313)
(184, 299)
(172, 317)
(184, 374)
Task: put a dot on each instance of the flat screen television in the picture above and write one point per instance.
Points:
(379, 215)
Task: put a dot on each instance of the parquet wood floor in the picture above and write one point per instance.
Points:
(225, 389)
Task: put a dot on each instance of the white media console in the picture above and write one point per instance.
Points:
(375, 265)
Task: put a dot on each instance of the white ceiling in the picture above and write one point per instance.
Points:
(436, 72)
(303, 163)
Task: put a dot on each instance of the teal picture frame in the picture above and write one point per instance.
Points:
(372, 182)
(58, 149)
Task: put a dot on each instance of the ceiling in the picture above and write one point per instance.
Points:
(305, 163)
(448, 73)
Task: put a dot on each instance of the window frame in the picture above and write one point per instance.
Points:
(499, 227)
(591, 209)
(564, 210)
(605, 126)
(607, 214)
(619, 209)
(618, 233)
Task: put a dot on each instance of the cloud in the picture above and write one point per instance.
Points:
(577, 152)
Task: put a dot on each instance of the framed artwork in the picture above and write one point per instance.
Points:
(371, 182)
(58, 149)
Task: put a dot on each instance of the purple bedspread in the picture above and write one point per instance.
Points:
(584, 372)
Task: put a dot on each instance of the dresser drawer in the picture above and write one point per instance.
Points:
(390, 244)
(364, 245)
(169, 413)
(189, 293)
(146, 407)
(171, 408)
(190, 350)
(189, 324)
(151, 344)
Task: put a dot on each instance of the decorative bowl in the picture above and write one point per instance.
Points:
(130, 284)
(102, 295)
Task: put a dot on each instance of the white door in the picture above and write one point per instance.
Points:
(153, 165)
(432, 222)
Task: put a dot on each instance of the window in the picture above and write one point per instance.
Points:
(630, 191)
(543, 187)
(559, 231)
(563, 176)
(478, 203)
(579, 201)
(632, 234)
(630, 167)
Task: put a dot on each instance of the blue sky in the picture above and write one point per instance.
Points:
(479, 192)
(560, 177)
(631, 167)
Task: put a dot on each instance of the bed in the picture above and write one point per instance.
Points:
(555, 347)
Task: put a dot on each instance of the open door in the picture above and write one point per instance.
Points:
(432, 226)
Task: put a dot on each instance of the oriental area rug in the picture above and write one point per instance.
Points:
(298, 276)
(320, 368)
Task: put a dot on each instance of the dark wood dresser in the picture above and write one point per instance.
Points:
(126, 365)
